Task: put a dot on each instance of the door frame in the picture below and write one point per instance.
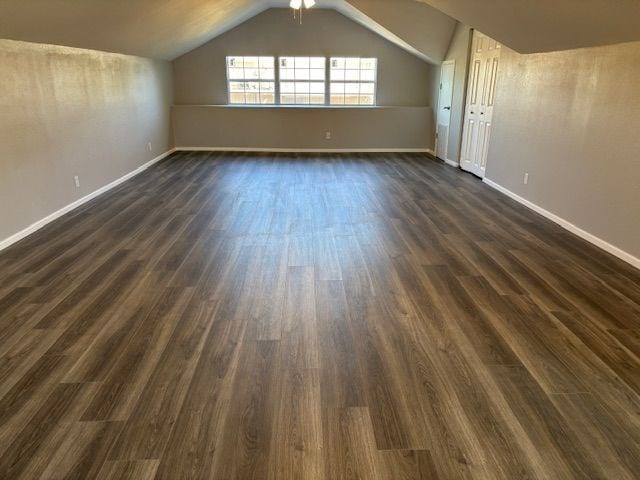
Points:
(438, 140)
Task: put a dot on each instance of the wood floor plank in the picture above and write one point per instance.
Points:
(607, 348)
(245, 441)
(300, 323)
(128, 470)
(549, 431)
(601, 439)
(454, 301)
(531, 334)
(392, 421)
(340, 380)
(128, 375)
(146, 434)
(21, 451)
(81, 451)
(208, 400)
(246, 316)
(297, 437)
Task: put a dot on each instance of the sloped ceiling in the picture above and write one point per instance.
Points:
(167, 29)
(415, 26)
(531, 26)
(162, 29)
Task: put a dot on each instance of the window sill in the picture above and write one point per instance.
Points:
(315, 107)
(304, 107)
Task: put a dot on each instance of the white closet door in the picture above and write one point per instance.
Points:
(483, 73)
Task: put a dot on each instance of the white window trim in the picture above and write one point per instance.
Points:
(327, 85)
(375, 86)
(279, 102)
(274, 80)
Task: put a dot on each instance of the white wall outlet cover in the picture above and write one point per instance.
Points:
(327, 135)
(76, 179)
(526, 178)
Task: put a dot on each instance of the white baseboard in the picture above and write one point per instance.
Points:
(57, 214)
(304, 150)
(613, 250)
(445, 160)
(451, 163)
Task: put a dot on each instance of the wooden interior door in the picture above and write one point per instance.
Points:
(447, 72)
(481, 92)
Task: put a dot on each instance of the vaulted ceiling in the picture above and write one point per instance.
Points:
(166, 29)
(416, 26)
(163, 29)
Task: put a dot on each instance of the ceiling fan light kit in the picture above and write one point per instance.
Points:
(296, 5)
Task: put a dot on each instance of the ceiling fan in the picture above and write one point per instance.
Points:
(297, 6)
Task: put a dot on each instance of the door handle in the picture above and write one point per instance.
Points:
(447, 108)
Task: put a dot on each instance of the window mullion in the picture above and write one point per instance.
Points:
(327, 81)
(245, 81)
(276, 77)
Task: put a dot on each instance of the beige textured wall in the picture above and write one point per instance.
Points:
(403, 81)
(303, 128)
(572, 120)
(458, 51)
(200, 76)
(67, 112)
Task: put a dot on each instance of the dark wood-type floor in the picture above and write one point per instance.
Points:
(226, 316)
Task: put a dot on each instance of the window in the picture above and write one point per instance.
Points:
(302, 80)
(353, 81)
(251, 80)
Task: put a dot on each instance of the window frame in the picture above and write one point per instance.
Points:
(245, 80)
(309, 81)
(374, 82)
(277, 80)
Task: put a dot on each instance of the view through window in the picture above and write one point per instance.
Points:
(254, 80)
(302, 80)
(353, 81)
(251, 80)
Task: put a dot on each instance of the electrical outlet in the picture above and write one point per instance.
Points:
(77, 180)
(327, 135)
(149, 146)
(526, 178)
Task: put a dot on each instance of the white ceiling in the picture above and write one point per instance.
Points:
(166, 29)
